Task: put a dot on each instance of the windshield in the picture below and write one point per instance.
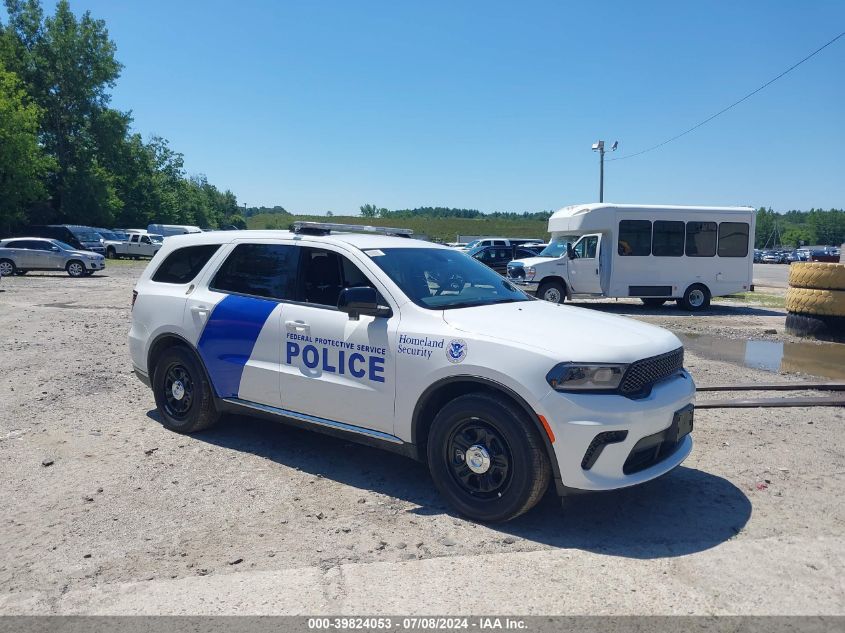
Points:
(109, 235)
(441, 279)
(63, 246)
(86, 236)
(472, 244)
(557, 247)
(157, 239)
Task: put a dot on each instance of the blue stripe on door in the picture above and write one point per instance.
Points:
(229, 338)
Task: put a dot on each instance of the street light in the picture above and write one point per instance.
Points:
(599, 147)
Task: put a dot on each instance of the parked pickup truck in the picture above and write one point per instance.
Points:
(137, 245)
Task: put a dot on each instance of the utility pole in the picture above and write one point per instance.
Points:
(599, 147)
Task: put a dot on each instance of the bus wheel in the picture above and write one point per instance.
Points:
(696, 297)
(552, 291)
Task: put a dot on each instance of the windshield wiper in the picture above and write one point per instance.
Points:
(475, 304)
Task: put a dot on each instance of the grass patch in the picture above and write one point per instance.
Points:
(756, 298)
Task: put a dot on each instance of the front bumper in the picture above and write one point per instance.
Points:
(525, 286)
(95, 265)
(576, 420)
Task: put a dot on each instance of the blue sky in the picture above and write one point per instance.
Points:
(329, 105)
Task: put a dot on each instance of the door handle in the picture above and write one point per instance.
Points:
(200, 311)
(297, 326)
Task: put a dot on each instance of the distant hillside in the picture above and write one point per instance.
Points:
(444, 229)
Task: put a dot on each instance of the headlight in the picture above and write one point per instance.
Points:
(586, 376)
(530, 271)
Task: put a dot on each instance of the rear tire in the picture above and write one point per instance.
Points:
(7, 268)
(486, 458)
(552, 291)
(696, 297)
(75, 268)
(182, 392)
(653, 302)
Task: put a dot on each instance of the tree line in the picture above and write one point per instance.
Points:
(372, 211)
(66, 155)
(799, 228)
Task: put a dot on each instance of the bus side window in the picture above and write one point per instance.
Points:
(701, 239)
(634, 238)
(733, 239)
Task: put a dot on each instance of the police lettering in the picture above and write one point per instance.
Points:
(336, 362)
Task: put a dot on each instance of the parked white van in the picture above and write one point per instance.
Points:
(655, 253)
(172, 229)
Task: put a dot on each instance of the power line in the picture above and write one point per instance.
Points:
(736, 103)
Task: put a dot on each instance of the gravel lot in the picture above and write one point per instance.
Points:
(107, 512)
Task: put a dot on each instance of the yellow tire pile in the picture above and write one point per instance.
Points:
(815, 299)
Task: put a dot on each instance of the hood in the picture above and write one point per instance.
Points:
(79, 253)
(532, 261)
(568, 333)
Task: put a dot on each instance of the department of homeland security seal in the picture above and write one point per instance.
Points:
(456, 350)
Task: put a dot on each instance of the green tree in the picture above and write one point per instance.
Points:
(23, 163)
(369, 210)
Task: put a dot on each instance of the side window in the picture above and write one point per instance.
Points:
(667, 239)
(634, 238)
(182, 265)
(324, 274)
(261, 270)
(701, 239)
(591, 244)
(17, 244)
(134, 238)
(499, 243)
(733, 239)
(145, 239)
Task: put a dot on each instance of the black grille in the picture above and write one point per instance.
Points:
(644, 374)
(516, 272)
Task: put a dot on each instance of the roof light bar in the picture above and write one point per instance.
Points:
(325, 228)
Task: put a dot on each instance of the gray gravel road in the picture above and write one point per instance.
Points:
(107, 512)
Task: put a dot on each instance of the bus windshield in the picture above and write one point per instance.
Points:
(557, 247)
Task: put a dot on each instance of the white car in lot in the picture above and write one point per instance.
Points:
(416, 348)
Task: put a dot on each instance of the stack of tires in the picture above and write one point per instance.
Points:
(815, 300)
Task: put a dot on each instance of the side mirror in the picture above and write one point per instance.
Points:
(361, 300)
(570, 252)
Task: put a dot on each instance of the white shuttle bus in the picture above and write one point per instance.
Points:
(655, 253)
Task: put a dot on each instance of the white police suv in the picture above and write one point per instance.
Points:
(414, 347)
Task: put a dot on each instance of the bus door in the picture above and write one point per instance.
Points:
(585, 266)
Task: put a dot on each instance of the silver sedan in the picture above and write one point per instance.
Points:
(21, 254)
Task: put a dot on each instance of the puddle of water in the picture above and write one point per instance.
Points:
(827, 361)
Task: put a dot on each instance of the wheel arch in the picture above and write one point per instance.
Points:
(166, 340)
(442, 391)
(567, 291)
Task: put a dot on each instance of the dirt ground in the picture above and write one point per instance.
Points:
(104, 511)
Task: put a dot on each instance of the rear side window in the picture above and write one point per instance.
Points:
(634, 238)
(701, 239)
(668, 240)
(733, 239)
(182, 265)
(261, 270)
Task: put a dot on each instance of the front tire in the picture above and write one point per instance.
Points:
(486, 458)
(75, 268)
(182, 392)
(7, 268)
(552, 291)
(111, 253)
(696, 297)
